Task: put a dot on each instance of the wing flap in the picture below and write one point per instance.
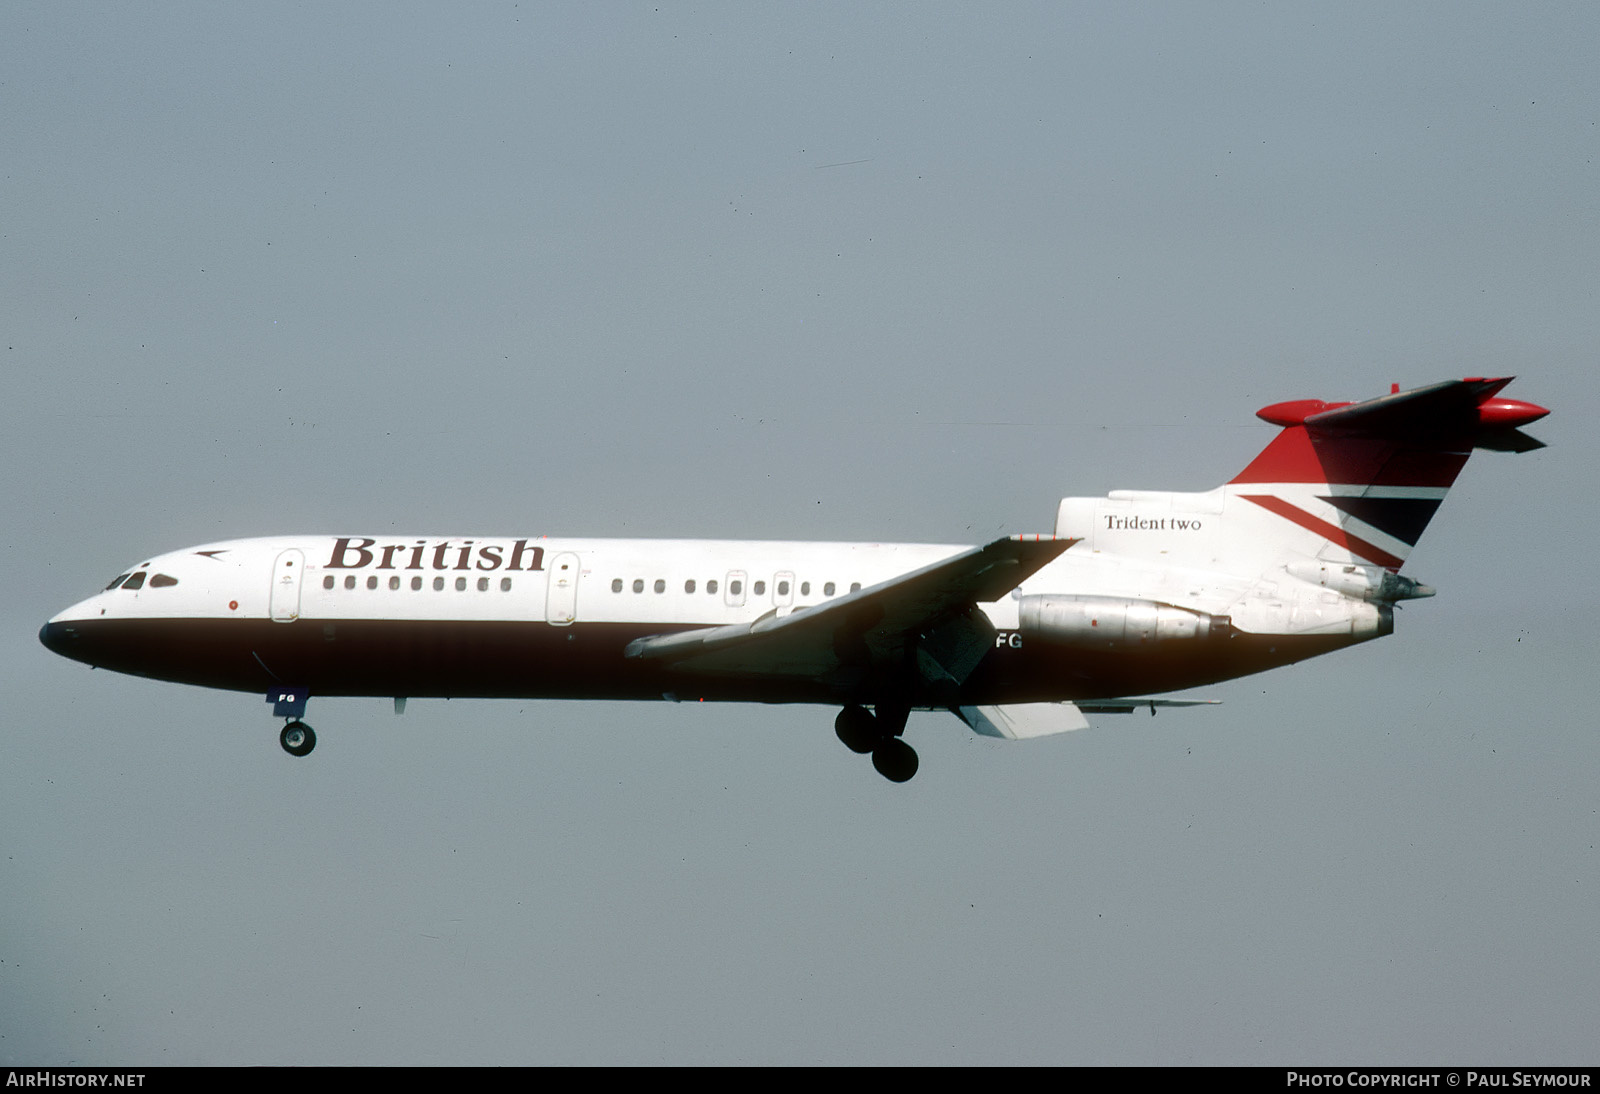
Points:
(1025, 721)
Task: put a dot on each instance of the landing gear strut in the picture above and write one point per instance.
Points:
(290, 702)
(863, 731)
(297, 739)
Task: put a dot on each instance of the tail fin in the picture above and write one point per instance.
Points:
(1344, 485)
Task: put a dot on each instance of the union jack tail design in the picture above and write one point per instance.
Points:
(1344, 487)
(1364, 479)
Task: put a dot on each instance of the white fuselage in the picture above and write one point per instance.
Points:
(543, 617)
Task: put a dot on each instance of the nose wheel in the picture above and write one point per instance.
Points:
(297, 739)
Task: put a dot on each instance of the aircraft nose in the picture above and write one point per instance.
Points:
(58, 637)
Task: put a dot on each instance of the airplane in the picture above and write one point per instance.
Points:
(1131, 595)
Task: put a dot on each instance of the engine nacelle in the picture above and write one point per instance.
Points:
(1361, 582)
(1112, 622)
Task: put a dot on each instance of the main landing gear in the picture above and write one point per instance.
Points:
(861, 730)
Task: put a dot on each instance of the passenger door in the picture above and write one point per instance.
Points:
(285, 598)
(561, 599)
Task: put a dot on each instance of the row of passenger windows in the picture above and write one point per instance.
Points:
(735, 587)
(329, 581)
(136, 581)
(416, 583)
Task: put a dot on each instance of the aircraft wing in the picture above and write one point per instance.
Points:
(865, 627)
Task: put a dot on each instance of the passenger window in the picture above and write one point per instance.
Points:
(416, 583)
(736, 587)
(855, 586)
(135, 582)
(711, 587)
(120, 579)
(761, 588)
(827, 590)
(350, 581)
(661, 586)
(638, 584)
(483, 584)
(783, 588)
(805, 588)
(438, 584)
(327, 582)
(688, 586)
(372, 582)
(505, 584)
(394, 583)
(616, 585)
(461, 584)
(162, 581)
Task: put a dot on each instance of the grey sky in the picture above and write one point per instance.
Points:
(823, 271)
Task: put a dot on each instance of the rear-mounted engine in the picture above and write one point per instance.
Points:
(1105, 622)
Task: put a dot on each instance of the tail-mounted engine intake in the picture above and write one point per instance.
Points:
(1106, 622)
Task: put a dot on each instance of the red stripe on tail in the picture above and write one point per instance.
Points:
(1331, 532)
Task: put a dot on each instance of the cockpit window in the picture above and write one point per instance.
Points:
(162, 581)
(119, 580)
(135, 582)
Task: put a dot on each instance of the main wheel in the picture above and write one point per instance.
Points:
(858, 729)
(297, 739)
(895, 760)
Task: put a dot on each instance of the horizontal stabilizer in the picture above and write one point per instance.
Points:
(1452, 408)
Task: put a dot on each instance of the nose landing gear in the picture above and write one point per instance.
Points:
(864, 731)
(297, 739)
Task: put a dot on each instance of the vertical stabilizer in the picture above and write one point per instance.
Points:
(1343, 485)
